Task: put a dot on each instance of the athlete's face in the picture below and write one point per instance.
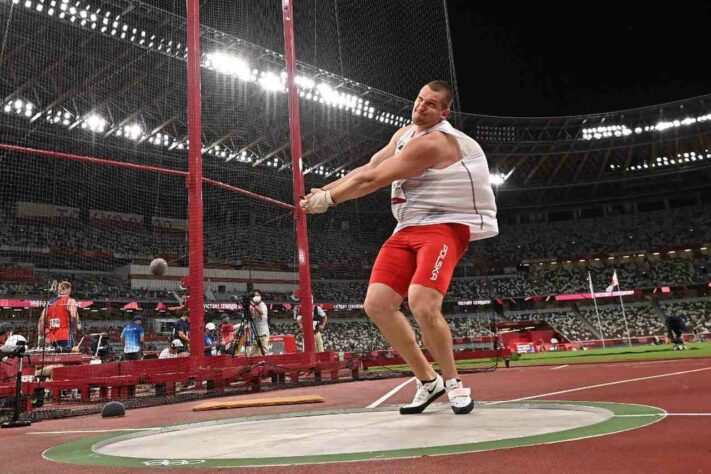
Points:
(429, 108)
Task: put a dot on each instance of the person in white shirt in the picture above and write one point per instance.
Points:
(171, 352)
(259, 312)
(320, 320)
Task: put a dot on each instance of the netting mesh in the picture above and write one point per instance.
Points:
(108, 80)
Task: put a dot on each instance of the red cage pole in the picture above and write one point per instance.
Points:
(194, 183)
(307, 310)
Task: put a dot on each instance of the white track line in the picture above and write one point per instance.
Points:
(91, 431)
(559, 367)
(663, 414)
(393, 391)
(587, 387)
(689, 414)
(389, 394)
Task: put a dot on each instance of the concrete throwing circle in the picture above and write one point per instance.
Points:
(356, 434)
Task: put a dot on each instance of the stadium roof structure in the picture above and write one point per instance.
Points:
(116, 81)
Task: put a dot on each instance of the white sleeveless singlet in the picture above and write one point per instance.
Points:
(458, 194)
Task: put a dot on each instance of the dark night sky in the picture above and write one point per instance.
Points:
(512, 58)
(534, 59)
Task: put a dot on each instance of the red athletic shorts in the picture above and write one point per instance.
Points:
(424, 255)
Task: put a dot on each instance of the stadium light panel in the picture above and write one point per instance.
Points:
(95, 123)
(271, 81)
(230, 65)
(497, 179)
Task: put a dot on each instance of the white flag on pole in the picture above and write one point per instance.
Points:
(590, 284)
(614, 283)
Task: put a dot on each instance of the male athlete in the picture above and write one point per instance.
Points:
(60, 319)
(442, 199)
(675, 329)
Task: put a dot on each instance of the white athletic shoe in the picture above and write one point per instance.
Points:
(426, 394)
(459, 397)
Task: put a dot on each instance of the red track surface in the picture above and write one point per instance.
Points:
(676, 444)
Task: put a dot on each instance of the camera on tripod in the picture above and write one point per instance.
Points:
(249, 301)
(15, 346)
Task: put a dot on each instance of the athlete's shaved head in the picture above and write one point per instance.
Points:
(444, 89)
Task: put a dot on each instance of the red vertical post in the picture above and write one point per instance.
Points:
(194, 183)
(302, 238)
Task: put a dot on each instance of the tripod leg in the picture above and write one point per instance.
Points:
(238, 340)
(15, 422)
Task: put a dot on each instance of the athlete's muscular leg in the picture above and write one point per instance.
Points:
(426, 306)
(382, 305)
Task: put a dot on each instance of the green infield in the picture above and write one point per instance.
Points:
(612, 354)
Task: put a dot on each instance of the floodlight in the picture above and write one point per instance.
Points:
(270, 81)
(95, 123)
(497, 179)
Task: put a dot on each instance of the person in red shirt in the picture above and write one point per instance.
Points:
(60, 319)
(227, 335)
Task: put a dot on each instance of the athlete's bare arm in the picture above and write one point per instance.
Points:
(40, 323)
(73, 312)
(424, 152)
(383, 154)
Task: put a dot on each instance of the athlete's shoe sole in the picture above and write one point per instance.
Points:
(463, 410)
(410, 410)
